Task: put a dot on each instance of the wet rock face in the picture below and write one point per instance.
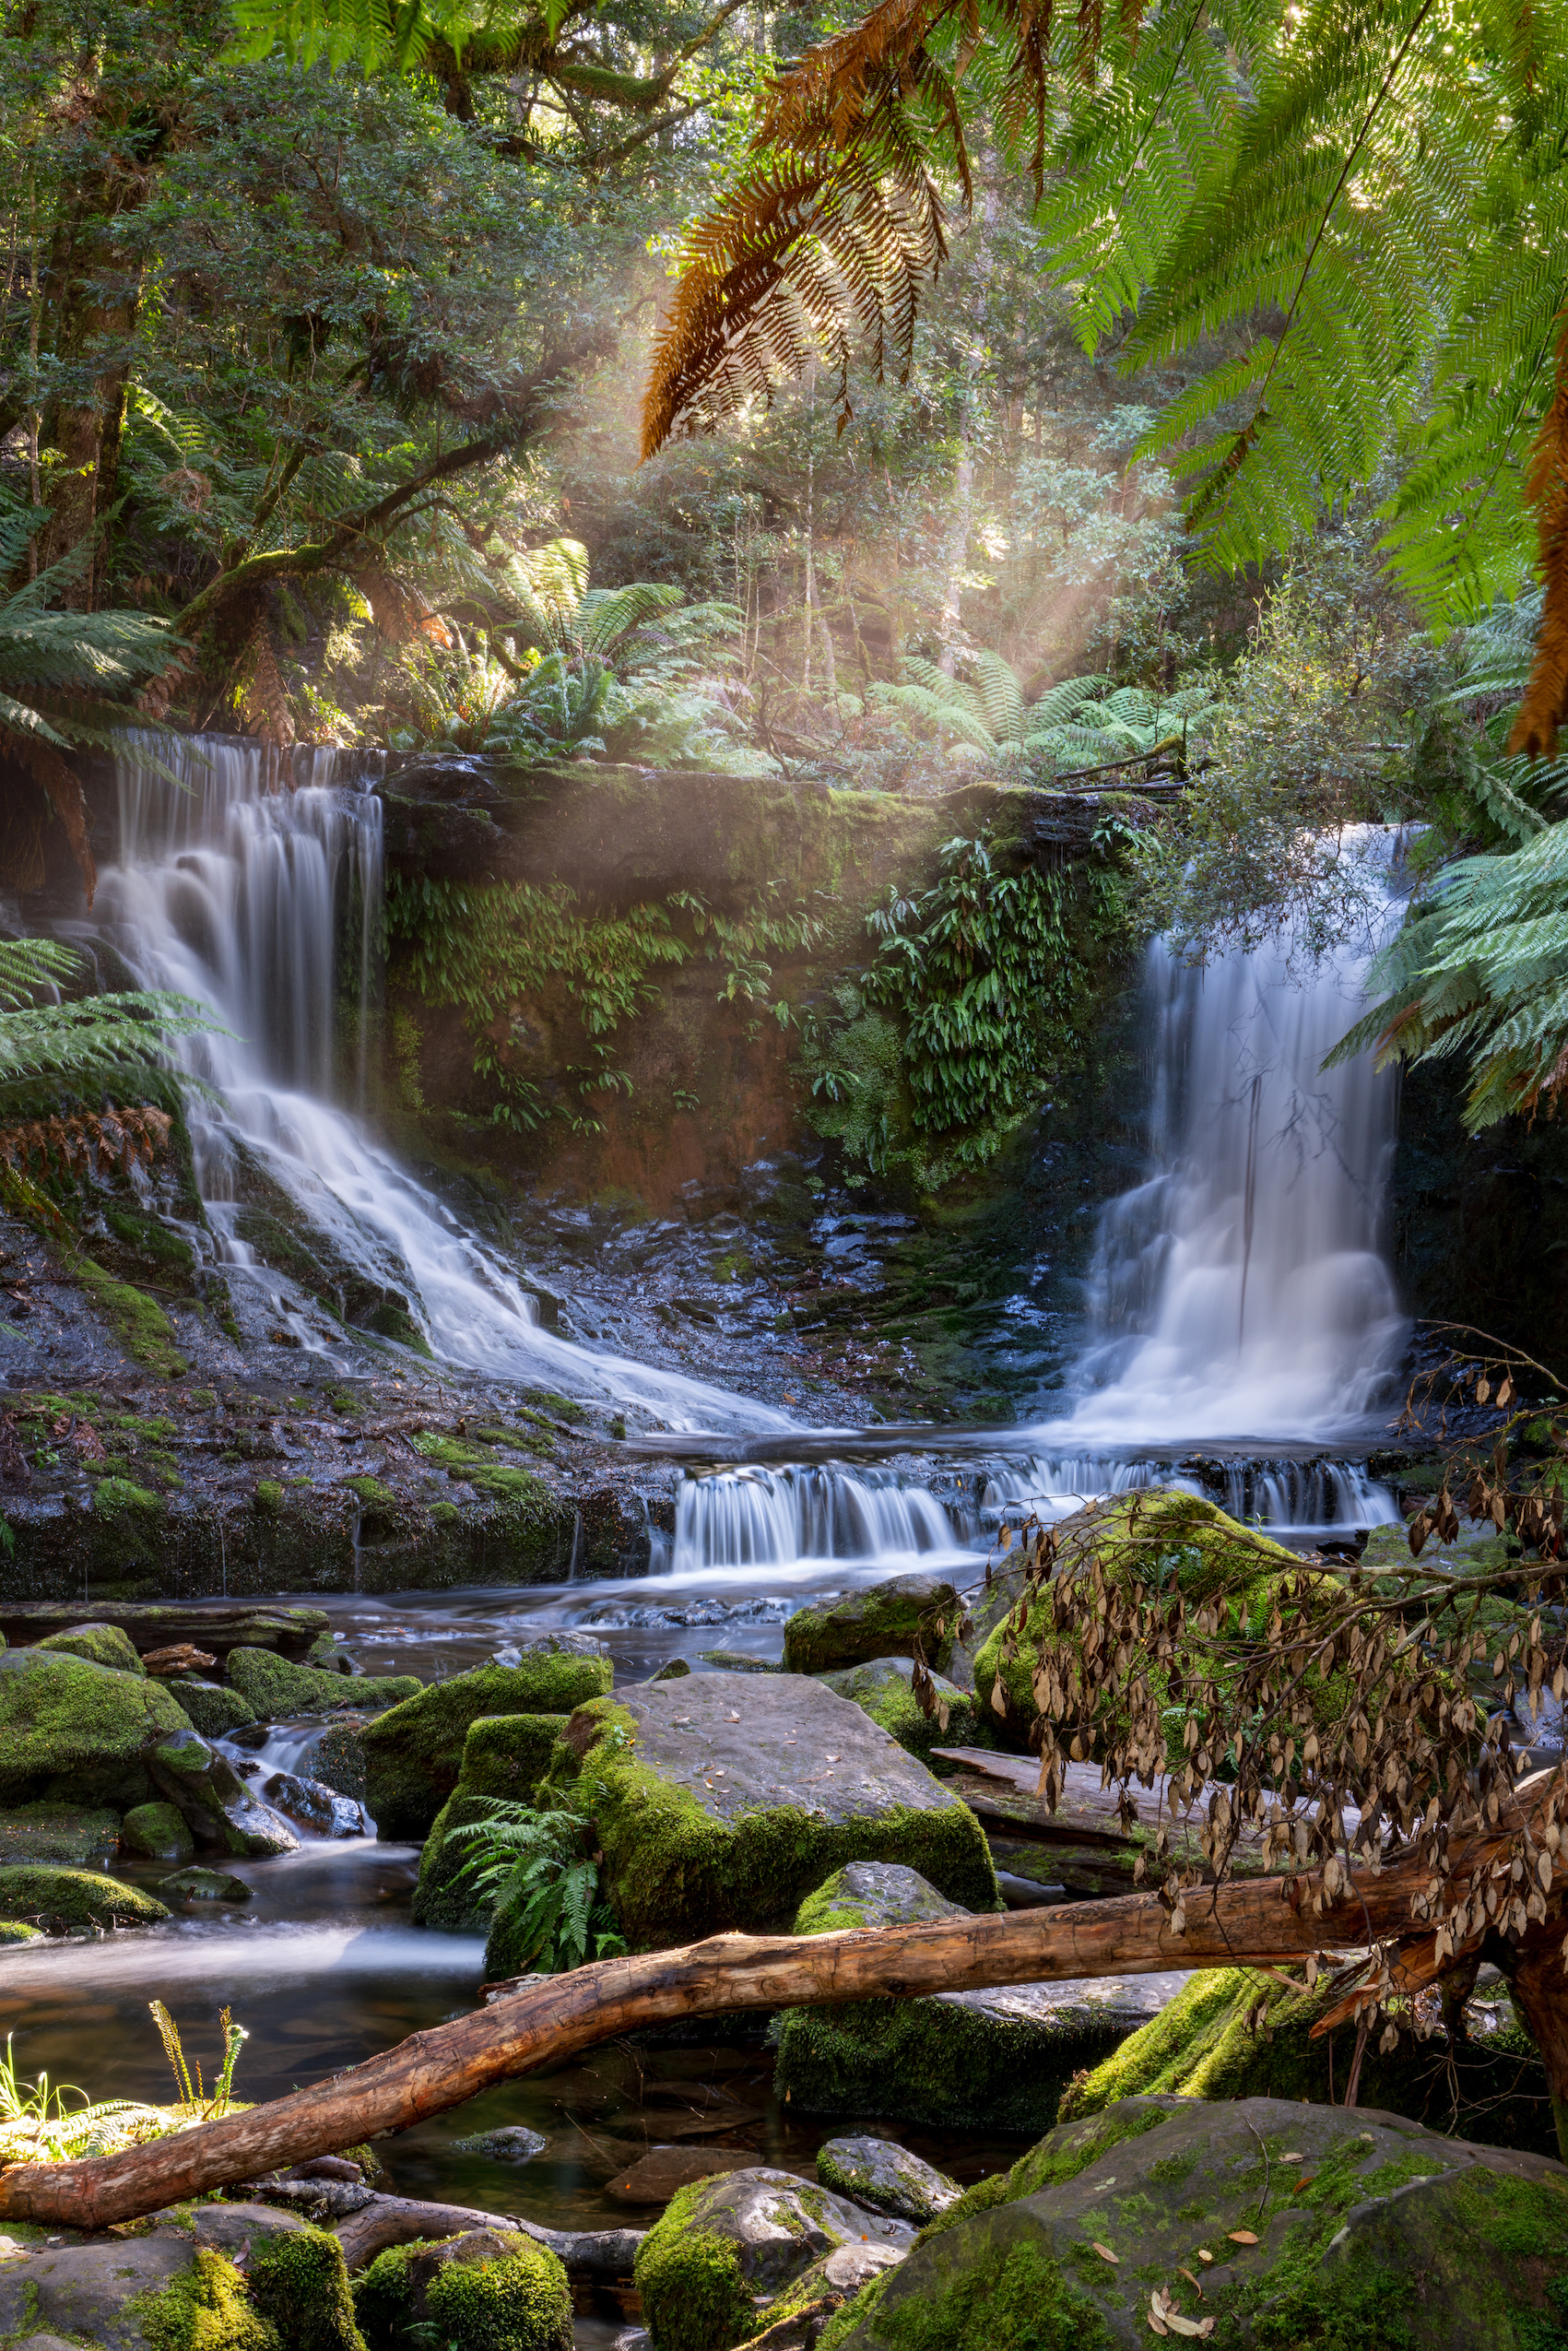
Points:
(203, 1786)
(1320, 2226)
(719, 1800)
(727, 2244)
(881, 1621)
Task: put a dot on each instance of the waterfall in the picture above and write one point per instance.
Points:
(250, 881)
(779, 1517)
(1239, 1291)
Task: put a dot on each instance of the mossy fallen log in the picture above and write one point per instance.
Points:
(1257, 1922)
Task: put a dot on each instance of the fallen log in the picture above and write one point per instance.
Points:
(1253, 1923)
(604, 2254)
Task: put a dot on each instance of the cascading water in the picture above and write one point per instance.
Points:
(235, 885)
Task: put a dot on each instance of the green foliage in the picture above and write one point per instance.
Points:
(1080, 723)
(63, 676)
(82, 1049)
(533, 1863)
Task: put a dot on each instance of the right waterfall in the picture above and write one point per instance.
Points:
(1239, 1290)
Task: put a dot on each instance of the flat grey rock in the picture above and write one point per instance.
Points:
(886, 2178)
(83, 2290)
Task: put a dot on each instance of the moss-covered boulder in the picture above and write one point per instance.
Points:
(156, 1833)
(63, 1901)
(204, 1886)
(222, 1815)
(995, 2060)
(505, 1759)
(414, 1754)
(491, 2289)
(15, 1930)
(883, 1689)
(719, 2264)
(215, 1711)
(76, 1732)
(1153, 1537)
(77, 1833)
(1234, 2032)
(879, 1620)
(274, 1689)
(1311, 2228)
(719, 1801)
(886, 2178)
(99, 1644)
(298, 2284)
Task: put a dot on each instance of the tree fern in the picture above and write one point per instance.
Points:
(85, 1049)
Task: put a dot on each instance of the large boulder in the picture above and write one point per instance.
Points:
(721, 2262)
(214, 1711)
(413, 1754)
(877, 1621)
(224, 2277)
(884, 1690)
(63, 1901)
(493, 2289)
(995, 2060)
(1296, 2227)
(719, 1800)
(99, 1644)
(274, 1690)
(1235, 2032)
(78, 1732)
(203, 1787)
(505, 1759)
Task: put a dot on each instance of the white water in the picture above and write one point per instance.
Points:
(235, 890)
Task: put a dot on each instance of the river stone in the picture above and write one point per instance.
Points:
(1381, 2232)
(488, 2287)
(84, 2290)
(882, 1688)
(204, 1886)
(214, 1711)
(877, 1621)
(727, 2243)
(222, 1815)
(156, 1833)
(74, 1733)
(514, 2143)
(886, 2178)
(318, 1806)
(1235, 2032)
(719, 1800)
(278, 1691)
(73, 1833)
(995, 2060)
(100, 1644)
(64, 1901)
(414, 1754)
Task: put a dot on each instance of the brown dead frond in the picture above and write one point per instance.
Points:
(76, 1145)
(1545, 706)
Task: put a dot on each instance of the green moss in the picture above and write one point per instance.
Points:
(205, 2307)
(268, 1497)
(12, 1930)
(214, 1710)
(80, 1835)
(76, 1732)
(273, 1687)
(1018, 2302)
(156, 1833)
(475, 1468)
(67, 1901)
(881, 1689)
(374, 1494)
(673, 1871)
(100, 1644)
(879, 1621)
(414, 1754)
(509, 2295)
(695, 2294)
(137, 1321)
(564, 1408)
(115, 1497)
(298, 2282)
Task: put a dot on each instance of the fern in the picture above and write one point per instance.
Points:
(82, 1050)
(1076, 723)
(535, 1861)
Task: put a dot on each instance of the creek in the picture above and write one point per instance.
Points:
(1240, 1336)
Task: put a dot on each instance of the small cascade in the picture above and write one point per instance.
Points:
(250, 881)
(758, 1517)
(1301, 1500)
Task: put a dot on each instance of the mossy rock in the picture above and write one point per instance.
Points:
(203, 1785)
(1234, 2032)
(444, 1897)
(882, 1689)
(877, 1621)
(708, 1823)
(156, 1833)
(100, 1644)
(1378, 2236)
(414, 1754)
(996, 2059)
(724, 2244)
(75, 1834)
(489, 2289)
(204, 1886)
(214, 1711)
(1154, 1538)
(886, 2178)
(337, 1757)
(274, 1689)
(137, 1321)
(299, 2284)
(76, 1732)
(63, 1901)
(505, 1759)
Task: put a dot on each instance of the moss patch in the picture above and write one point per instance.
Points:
(100, 1644)
(298, 2282)
(695, 2294)
(137, 1321)
(1021, 2302)
(204, 2308)
(66, 1901)
(274, 1688)
(881, 1689)
(77, 1833)
(76, 1732)
(489, 2291)
(414, 1754)
(156, 1833)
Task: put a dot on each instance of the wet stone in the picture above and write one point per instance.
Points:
(204, 1886)
(316, 1805)
(514, 2143)
(877, 1621)
(886, 2178)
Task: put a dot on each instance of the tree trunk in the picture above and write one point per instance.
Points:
(1261, 1922)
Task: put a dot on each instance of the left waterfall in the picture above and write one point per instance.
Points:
(252, 881)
